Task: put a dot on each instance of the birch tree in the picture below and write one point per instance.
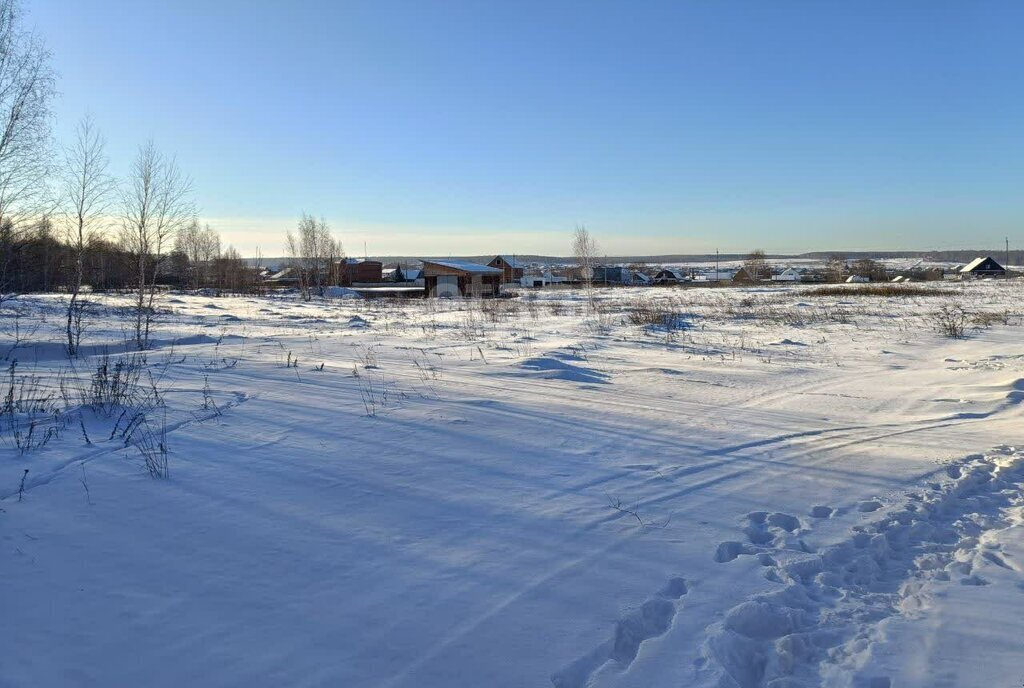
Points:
(202, 248)
(756, 265)
(87, 194)
(312, 251)
(27, 85)
(584, 249)
(156, 205)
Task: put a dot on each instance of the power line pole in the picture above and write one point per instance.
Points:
(1007, 266)
(717, 275)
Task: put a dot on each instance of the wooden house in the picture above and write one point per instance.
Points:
(349, 271)
(454, 278)
(982, 267)
(512, 270)
(743, 276)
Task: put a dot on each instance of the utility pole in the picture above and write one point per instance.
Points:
(717, 276)
(1007, 265)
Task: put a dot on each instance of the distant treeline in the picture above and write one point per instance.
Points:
(36, 259)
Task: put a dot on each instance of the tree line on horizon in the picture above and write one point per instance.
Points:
(68, 224)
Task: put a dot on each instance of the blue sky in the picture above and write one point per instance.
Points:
(486, 127)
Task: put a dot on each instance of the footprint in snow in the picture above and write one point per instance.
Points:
(653, 618)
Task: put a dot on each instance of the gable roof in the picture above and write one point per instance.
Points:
(974, 264)
(465, 266)
(509, 260)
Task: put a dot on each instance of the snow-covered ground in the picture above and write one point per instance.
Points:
(776, 489)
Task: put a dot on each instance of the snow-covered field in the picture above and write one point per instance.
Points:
(775, 489)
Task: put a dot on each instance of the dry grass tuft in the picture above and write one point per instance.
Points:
(887, 290)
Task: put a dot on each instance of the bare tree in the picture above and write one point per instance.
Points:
(756, 265)
(585, 250)
(202, 248)
(836, 267)
(312, 251)
(26, 89)
(157, 203)
(232, 273)
(87, 195)
(866, 267)
(207, 252)
(186, 246)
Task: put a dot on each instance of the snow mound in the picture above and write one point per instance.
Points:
(340, 293)
(557, 369)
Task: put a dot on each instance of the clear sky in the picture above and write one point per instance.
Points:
(450, 127)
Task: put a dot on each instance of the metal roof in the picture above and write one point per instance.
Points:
(465, 266)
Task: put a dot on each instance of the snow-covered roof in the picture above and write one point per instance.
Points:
(976, 262)
(724, 275)
(465, 266)
(973, 264)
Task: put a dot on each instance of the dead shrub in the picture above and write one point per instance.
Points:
(951, 320)
(885, 290)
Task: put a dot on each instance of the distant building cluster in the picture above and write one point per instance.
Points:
(454, 278)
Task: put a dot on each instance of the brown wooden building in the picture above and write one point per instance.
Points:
(358, 271)
(454, 278)
(512, 271)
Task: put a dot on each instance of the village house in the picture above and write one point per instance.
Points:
(670, 276)
(287, 277)
(534, 280)
(407, 274)
(714, 276)
(612, 274)
(353, 271)
(512, 270)
(982, 267)
(787, 275)
(454, 278)
(743, 276)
